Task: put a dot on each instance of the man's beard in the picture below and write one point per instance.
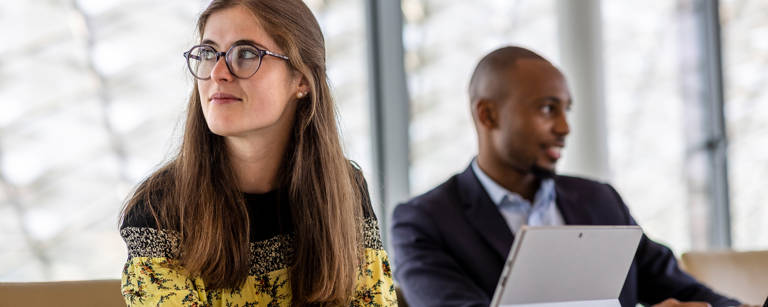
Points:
(542, 173)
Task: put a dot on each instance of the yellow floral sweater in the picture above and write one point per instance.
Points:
(152, 276)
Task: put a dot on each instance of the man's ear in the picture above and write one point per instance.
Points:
(485, 111)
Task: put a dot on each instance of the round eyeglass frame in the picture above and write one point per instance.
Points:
(227, 55)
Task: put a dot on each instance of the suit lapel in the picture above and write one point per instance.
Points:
(483, 214)
(569, 204)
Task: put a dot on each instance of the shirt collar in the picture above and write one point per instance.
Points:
(497, 193)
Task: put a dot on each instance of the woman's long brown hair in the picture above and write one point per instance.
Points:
(195, 193)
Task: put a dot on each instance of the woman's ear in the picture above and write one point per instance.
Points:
(303, 88)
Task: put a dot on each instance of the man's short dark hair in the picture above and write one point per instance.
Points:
(488, 80)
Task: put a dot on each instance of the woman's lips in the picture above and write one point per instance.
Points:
(223, 98)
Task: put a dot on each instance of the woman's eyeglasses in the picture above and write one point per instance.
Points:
(242, 60)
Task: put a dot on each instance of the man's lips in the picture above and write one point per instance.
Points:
(554, 152)
(224, 98)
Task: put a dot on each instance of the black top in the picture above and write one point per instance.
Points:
(269, 214)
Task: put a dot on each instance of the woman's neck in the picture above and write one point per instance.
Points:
(256, 161)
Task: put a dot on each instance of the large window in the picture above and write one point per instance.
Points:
(745, 65)
(91, 93)
(645, 118)
(343, 25)
(646, 114)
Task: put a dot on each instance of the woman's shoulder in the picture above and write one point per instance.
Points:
(362, 187)
(144, 205)
(370, 227)
(143, 237)
(138, 215)
(141, 209)
(139, 225)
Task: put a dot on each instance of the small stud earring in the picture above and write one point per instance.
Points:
(300, 95)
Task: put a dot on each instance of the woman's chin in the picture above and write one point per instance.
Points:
(224, 131)
(228, 131)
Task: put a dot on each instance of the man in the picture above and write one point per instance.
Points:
(451, 243)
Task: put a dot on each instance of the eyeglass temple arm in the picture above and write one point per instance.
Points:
(275, 55)
(187, 54)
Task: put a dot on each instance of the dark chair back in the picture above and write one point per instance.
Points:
(400, 298)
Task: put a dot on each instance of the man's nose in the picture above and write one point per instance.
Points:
(561, 126)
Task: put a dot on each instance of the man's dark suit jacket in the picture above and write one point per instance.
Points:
(451, 243)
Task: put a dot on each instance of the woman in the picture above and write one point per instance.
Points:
(260, 206)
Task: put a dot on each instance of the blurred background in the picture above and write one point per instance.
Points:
(671, 108)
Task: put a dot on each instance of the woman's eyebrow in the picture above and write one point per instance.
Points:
(248, 42)
(209, 42)
(239, 42)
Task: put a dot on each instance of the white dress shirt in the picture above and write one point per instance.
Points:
(518, 211)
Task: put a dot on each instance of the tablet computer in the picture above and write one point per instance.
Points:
(567, 266)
